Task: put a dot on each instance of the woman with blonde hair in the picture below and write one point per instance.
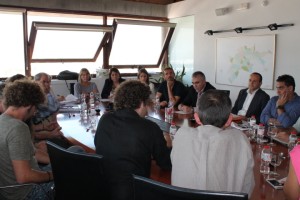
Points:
(84, 85)
(143, 76)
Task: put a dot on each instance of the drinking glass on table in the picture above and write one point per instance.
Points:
(276, 159)
(272, 132)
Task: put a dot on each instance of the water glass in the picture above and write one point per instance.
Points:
(169, 112)
(272, 132)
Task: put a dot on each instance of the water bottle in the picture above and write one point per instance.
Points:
(292, 141)
(169, 111)
(173, 130)
(83, 110)
(92, 99)
(260, 133)
(265, 160)
(252, 121)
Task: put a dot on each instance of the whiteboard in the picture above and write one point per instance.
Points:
(238, 57)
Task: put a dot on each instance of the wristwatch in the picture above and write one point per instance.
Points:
(281, 107)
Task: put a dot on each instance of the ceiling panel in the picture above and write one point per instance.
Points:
(161, 2)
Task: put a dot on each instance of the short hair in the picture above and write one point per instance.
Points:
(214, 108)
(15, 77)
(113, 69)
(84, 70)
(23, 93)
(169, 68)
(130, 94)
(259, 75)
(199, 73)
(38, 76)
(143, 70)
(288, 80)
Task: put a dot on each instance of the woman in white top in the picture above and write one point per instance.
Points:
(143, 76)
(84, 85)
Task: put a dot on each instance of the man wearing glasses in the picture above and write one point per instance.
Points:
(284, 109)
(199, 86)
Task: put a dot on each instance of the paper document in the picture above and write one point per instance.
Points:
(242, 127)
(69, 99)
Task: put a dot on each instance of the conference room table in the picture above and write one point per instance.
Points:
(79, 131)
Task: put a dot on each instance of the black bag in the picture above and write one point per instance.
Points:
(67, 75)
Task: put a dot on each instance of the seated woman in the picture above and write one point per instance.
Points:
(84, 85)
(291, 187)
(143, 76)
(111, 83)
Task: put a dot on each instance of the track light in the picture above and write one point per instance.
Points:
(209, 32)
(238, 30)
(272, 27)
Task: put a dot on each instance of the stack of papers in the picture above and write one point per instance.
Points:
(242, 127)
(69, 99)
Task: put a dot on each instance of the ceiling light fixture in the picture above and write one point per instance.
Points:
(272, 27)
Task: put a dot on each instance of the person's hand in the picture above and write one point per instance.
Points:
(273, 121)
(163, 104)
(282, 100)
(56, 133)
(60, 98)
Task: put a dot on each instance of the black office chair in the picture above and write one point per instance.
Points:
(12, 189)
(77, 175)
(227, 92)
(147, 189)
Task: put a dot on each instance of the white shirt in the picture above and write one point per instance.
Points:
(210, 158)
(247, 102)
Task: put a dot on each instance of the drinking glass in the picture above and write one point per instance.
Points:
(276, 159)
(272, 132)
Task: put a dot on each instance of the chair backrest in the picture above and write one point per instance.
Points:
(77, 175)
(147, 189)
(225, 91)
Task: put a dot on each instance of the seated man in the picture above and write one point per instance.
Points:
(211, 156)
(128, 141)
(199, 86)
(282, 110)
(46, 115)
(252, 100)
(18, 163)
(170, 90)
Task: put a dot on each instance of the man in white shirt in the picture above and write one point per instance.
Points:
(211, 156)
(251, 100)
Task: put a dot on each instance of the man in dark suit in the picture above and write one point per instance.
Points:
(251, 100)
(199, 86)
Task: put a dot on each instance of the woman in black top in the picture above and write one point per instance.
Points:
(111, 83)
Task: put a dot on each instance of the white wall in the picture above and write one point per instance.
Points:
(277, 11)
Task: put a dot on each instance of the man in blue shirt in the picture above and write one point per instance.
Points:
(284, 109)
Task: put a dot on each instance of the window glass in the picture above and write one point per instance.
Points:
(65, 44)
(181, 49)
(12, 60)
(138, 42)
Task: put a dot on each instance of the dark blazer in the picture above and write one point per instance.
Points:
(108, 87)
(256, 106)
(191, 98)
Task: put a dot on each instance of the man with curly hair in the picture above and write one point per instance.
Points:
(18, 164)
(128, 141)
